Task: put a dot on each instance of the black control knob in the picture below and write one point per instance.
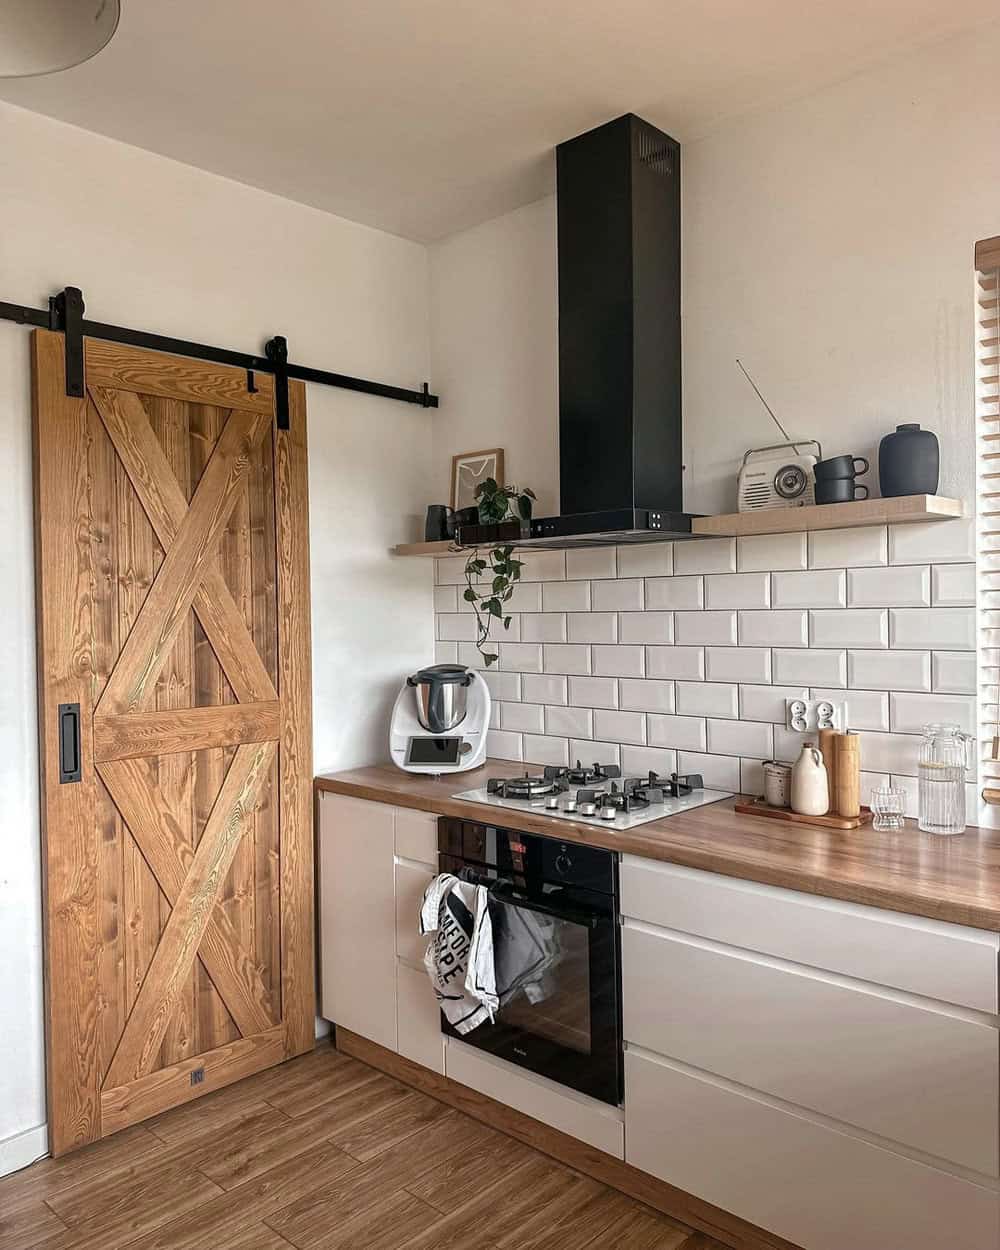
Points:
(563, 863)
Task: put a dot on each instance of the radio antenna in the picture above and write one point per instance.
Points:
(770, 410)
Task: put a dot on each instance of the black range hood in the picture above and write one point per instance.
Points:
(619, 229)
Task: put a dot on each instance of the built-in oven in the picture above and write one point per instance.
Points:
(554, 912)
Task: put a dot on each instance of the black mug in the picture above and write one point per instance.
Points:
(839, 490)
(440, 523)
(839, 466)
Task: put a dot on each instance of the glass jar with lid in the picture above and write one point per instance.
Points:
(944, 760)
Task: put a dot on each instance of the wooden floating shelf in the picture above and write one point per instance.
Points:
(905, 509)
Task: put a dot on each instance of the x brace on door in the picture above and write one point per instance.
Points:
(65, 314)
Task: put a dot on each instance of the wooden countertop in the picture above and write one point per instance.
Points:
(952, 879)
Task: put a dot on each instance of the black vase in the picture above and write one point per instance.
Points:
(909, 462)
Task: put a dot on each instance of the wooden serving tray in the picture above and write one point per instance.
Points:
(757, 807)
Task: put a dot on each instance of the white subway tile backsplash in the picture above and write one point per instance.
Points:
(937, 629)
(685, 662)
(620, 661)
(810, 667)
(849, 548)
(705, 555)
(494, 721)
(788, 744)
(740, 737)
(520, 657)
(764, 553)
(707, 699)
(738, 664)
(646, 560)
(566, 658)
(701, 628)
(457, 627)
(639, 694)
(541, 749)
(522, 717)
(566, 597)
(543, 688)
(445, 598)
(569, 722)
(470, 655)
(890, 753)
(905, 586)
(637, 761)
(620, 726)
(543, 627)
(679, 732)
(721, 772)
(738, 590)
(525, 597)
(933, 542)
(816, 588)
(889, 670)
(594, 752)
(593, 691)
(767, 703)
(953, 585)
(542, 566)
(685, 593)
(592, 627)
(909, 713)
(504, 746)
(866, 709)
(774, 629)
(446, 653)
(450, 570)
(583, 563)
(849, 627)
(752, 777)
(647, 627)
(504, 686)
(621, 595)
(953, 672)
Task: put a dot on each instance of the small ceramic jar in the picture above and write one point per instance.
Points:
(777, 783)
(810, 786)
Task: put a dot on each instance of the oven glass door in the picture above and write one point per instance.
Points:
(559, 1015)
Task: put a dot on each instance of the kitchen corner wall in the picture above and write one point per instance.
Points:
(681, 656)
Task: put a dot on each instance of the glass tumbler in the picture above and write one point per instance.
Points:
(887, 808)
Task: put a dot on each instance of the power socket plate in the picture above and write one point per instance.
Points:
(811, 715)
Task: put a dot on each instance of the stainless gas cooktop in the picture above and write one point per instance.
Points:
(596, 795)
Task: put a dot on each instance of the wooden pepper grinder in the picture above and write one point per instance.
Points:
(848, 772)
(828, 749)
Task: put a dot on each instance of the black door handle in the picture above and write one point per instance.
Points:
(69, 743)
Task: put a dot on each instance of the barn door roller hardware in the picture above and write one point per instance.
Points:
(65, 314)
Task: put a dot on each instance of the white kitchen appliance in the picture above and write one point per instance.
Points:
(779, 476)
(440, 720)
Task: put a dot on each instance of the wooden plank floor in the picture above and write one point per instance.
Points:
(323, 1152)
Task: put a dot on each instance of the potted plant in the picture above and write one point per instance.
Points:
(489, 582)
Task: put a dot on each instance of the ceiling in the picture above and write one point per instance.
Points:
(423, 117)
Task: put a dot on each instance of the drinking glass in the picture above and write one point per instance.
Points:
(887, 807)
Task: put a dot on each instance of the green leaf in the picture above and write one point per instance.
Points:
(493, 607)
(506, 622)
(470, 595)
(490, 658)
(498, 584)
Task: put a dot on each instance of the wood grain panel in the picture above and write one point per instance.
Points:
(298, 976)
(182, 936)
(165, 845)
(175, 377)
(64, 613)
(135, 734)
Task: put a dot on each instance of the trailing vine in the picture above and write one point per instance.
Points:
(489, 582)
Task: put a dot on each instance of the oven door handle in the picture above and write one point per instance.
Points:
(587, 919)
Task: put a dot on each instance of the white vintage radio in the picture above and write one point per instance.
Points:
(780, 476)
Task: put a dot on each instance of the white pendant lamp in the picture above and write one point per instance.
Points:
(43, 36)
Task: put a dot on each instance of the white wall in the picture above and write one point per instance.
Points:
(827, 243)
(165, 247)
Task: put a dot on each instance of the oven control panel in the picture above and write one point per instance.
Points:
(524, 857)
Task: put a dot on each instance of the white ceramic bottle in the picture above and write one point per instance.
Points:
(810, 786)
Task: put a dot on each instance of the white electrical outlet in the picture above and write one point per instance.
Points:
(811, 715)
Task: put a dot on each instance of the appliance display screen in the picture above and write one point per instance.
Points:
(433, 751)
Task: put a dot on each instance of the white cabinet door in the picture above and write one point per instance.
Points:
(918, 1074)
(418, 1020)
(816, 1187)
(358, 916)
(411, 882)
(417, 836)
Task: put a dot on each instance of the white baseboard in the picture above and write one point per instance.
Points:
(23, 1148)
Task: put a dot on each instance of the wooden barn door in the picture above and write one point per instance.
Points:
(174, 679)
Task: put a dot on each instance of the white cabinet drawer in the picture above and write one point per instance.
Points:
(924, 1077)
(418, 1020)
(814, 1186)
(411, 882)
(948, 962)
(416, 836)
(583, 1118)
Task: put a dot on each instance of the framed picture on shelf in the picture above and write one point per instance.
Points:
(469, 469)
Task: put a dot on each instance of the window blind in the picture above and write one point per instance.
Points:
(988, 510)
